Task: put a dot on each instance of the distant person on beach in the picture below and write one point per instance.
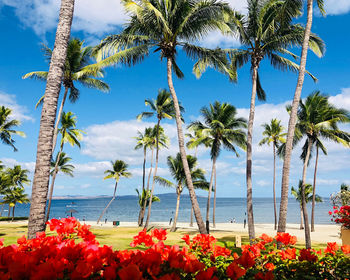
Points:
(171, 219)
(244, 222)
(234, 220)
(106, 221)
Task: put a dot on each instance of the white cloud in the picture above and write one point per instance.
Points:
(10, 162)
(19, 112)
(263, 183)
(337, 7)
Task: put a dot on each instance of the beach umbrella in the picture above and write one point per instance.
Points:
(71, 211)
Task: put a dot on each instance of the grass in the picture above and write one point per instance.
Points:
(3, 219)
(120, 237)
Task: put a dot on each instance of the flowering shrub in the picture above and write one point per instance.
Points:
(341, 215)
(74, 253)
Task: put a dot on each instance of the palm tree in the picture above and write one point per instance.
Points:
(308, 198)
(72, 135)
(317, 119)
(266, 32)
(14, 178)
(40, 187)
(7, 127)
(59, 164)
(177, 172)
(273, 134)
(142, 198)
(148, 140)
(13, 196)
(306, 44)
(162, 107)
(78, 68)
(119, 169)
(164, 26)
(221, 127)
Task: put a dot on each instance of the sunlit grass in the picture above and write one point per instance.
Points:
(120, 237)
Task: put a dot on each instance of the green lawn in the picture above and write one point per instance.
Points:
(120, 237)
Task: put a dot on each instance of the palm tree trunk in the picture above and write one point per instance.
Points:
(40, 187)
(9, 212)
(251, 229)
(274, 185)
(13, 213)
(180, 135)
(209, 194)
(173, 227)
(303, 199)
(147, 190)
(314, 195)
(292, 122)
(191, 222)
(59, 119)
(2, 209)
(301, 218)
(214, 203)
(143, 182)
(53, 183)
(104, 210)
(154, 176)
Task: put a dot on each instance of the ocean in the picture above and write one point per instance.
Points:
(125, 208)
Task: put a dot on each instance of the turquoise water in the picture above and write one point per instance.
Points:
(125, 208)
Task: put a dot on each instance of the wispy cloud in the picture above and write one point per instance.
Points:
(19, 112)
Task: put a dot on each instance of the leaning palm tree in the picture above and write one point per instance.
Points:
(306, 43)
(162, 107)
(150, 140)
(59, 164)
(72, 135)
(308, 198)
(273, 135)
(40, 187)
(7, 127)
(221, 128)
(78, 68)
(164, 26)
(317, 119)
(177, 172)
(266, 32)
(13, 196)
(119, 169)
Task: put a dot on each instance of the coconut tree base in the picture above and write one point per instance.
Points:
(345, 236)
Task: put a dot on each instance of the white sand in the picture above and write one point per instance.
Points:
(322, 234)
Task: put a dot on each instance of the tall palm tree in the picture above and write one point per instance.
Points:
(266, 32)
(221, 128)
(164, 26)
(177, 172)
(307, 42)
(308, 198)
(119, 169)
(59, 164)
(78, 68)
(13, 196)
(317, 119)
(7, 127)
(148, 140)
(273, 135)
(72, 135)
(162, 107)
(40, 187)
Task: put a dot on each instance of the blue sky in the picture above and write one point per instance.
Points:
(109, 119)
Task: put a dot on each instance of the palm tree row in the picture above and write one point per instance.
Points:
(266, 31)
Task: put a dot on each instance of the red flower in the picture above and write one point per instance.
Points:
(332, 247)
(246, 260)
(264, 276)
(207, 274)
(266, 238)
(234, 271)
(286, 238)
(345, 249)
(289, 254)
(307, 255)
(270, 266)
(159, 234)
(131, 272)
(186, 238)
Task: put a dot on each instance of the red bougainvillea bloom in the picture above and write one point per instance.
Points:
(345, 249)
(289, 253)
(186, 238)
(264, 276)
(207, 274)
(307, 255)
(159, 234)
(285, 238)
(142, 237)
(234, 271)
(265, 238)
(131, 272)
(270, 266)
(332, 247)
(246, 260)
